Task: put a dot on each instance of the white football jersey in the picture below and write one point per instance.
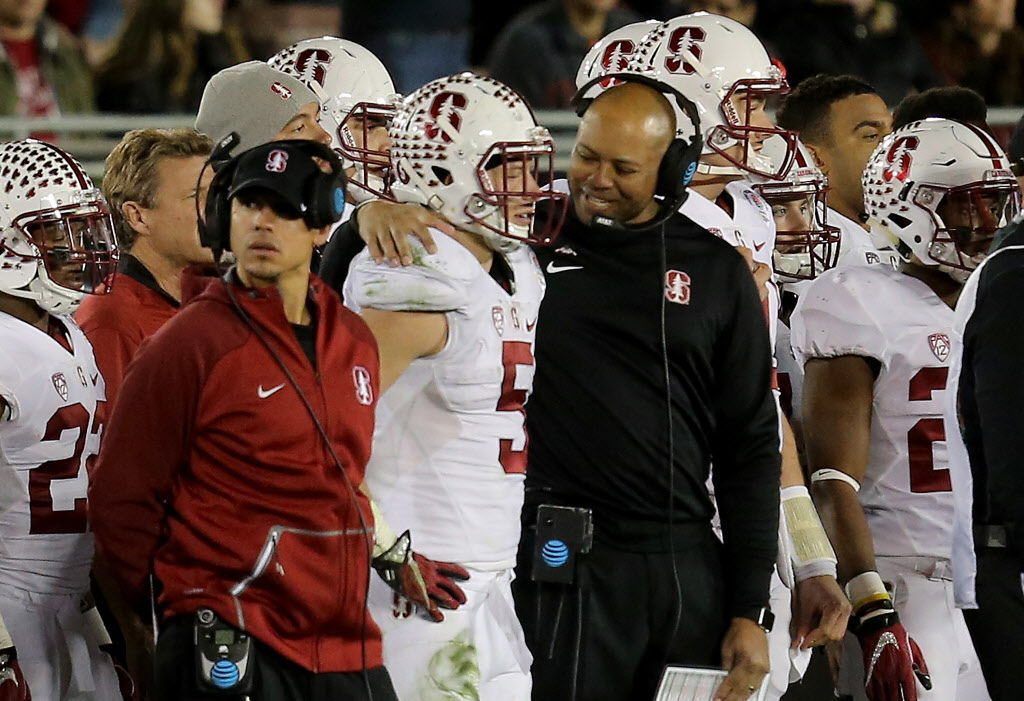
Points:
(877, 312)
(751, 226)
(57, 401)
(856, 247)
(449, 451)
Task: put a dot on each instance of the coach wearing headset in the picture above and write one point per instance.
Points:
(232, 460)
(652, 360)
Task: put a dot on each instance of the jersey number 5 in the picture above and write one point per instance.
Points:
(922, 435)
(516, 380)
(57, 488)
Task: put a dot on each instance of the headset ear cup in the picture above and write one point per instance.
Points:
(671, 173)
(327, 192)
(215, 229)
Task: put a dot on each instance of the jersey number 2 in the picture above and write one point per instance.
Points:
(922, 435)
(512, 451)
(67, 478)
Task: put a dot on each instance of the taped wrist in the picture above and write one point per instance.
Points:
(872, 605)
(384, 539)
(811, 553)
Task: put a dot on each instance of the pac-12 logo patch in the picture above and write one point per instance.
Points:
(364, 388)
(677, 287)
(498, 317)
(60, 384)
(939, 343)
(277, 161)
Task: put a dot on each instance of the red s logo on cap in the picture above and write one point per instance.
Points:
(282, 92)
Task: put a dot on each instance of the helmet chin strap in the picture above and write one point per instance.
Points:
(708, 169)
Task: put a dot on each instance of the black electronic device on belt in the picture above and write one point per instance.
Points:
(563, 532)
(223, 656)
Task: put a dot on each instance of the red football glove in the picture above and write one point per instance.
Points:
(427, 583)
(891, 659)
(13, 686)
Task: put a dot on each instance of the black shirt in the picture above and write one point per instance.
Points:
(597, 416)
(991, 393)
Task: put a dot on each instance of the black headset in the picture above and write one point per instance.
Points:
(680, 160)
(324, 196)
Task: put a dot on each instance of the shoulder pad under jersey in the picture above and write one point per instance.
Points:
(436, 282)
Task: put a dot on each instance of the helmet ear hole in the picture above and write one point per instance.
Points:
(443, 175)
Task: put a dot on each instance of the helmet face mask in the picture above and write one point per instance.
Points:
(966, 220)
(74, 244)
(469, 148)
(56, 236)
(937, 190)
(808, 248)
(508, 175)
(372, 166)
(718, 63)
(738, 129)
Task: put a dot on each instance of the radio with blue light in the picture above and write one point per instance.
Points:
(223, 656)
(562, 534)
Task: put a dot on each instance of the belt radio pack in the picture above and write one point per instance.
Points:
(223, 656)
(563, 532)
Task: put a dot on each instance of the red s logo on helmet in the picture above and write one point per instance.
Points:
(446, 115)
(312, 64)
(683, 43)
(898, 159)
(615, 59)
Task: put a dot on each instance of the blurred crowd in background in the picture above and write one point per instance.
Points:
(155, 56)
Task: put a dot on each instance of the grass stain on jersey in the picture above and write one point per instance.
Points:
(453, 673)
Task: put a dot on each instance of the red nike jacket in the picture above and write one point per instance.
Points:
(213, 475)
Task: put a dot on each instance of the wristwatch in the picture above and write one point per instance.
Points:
(761, 615)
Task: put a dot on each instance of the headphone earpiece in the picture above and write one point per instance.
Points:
(679, 163)
(325, 194)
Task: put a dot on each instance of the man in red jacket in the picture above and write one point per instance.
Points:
(233, 460)
(151, 183)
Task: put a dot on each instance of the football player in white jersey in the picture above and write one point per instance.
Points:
(806, 245)
(841, 119)
(875, 345)
(359, 100)
(456, 335)
(56, 244)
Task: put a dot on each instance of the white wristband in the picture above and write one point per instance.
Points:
(812, 554)
(865, 588)
(826, 474)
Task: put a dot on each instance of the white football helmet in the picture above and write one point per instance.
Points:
(614, 53)
(938, 190)
(446, 137)
(56, 236)
(355, 88)
(805, 244)
(709, 59)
